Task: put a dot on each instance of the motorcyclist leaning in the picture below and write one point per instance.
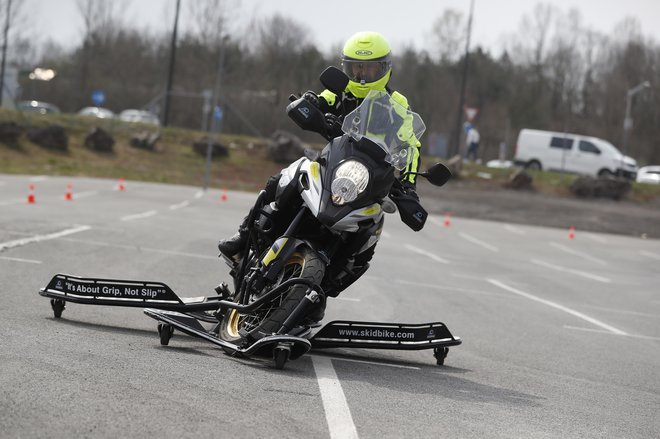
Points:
(366, 60)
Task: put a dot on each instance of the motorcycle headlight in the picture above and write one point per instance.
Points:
(351, 178)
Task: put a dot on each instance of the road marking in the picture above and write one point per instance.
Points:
(624, 312)
(137, 247)
(38, 178)
(447, 288)
(180, 205)
(578, 253)
(40, 238)
(14, 201)
(569, 270)
(427, 254)
(596, 238)
(572, 312)
(600, 331)
(348, 299)
(385, 235)
(86, 194)
(199, 194)
(139, 215)
(337, 413)
(377, 363)
(649, 254)
(29, 261)
(474, 240)
(514, 229)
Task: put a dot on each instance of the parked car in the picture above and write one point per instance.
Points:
(649, 174)
(142, 116)
(100, 112)
(37, 107)
(574, 153)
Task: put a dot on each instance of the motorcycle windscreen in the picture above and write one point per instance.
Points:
(388, 124)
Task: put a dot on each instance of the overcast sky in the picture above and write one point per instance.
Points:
(403, 22)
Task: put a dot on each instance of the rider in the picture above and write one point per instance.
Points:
(367, 61)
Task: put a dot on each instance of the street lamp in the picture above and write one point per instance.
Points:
(627, 122)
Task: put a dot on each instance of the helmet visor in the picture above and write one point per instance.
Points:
(366, 71)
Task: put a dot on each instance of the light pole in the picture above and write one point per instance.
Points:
(217, 112)
(170, 72)
(4, 50)
(456, 143)
(627, 122)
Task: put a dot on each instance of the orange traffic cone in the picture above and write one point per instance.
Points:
(30, 198)
(120, 186)
(223, 195)
(571, 232)
(68, 195)
(447, 221)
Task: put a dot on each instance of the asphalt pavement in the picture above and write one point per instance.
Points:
(561, 336)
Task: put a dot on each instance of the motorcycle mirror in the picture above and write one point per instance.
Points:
(334, 80)
(437, 174)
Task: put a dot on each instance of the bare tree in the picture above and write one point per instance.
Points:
(449, 32)
(212, 20)
(102, 20)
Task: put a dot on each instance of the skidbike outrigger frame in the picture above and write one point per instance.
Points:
(186, 314)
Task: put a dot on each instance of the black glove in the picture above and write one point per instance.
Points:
(333, 125)
(311, 97)
(409, 189)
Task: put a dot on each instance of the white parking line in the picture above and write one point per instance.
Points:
(427, 254)
(199, 194)
(14, 201)
(139, 215)
(578, 253)
(385, 235)
(514, 229)
(572, 312)
(596, 238)
(448, 288)
(646, 337)
(86, 194)
(569, 270)
(347, 299)
(29, 261)
(40, 238)
(337, 413)
(38, 178)
(180, 205)
(649, 254)
(474, 240)
(144, 249)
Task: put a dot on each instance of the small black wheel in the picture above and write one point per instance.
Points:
(58, 306)
(440, 354)
(281, 356)
(534, 165)
(165, 332)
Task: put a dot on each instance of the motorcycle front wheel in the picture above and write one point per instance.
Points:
(269, 319)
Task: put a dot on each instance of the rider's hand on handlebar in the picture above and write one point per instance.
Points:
(409, 189)
(311, 97)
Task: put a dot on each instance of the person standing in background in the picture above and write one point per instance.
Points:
(472, 141)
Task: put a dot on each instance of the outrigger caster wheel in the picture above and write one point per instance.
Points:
(58, 306)
(440, 354)
(165, 332)
(281, 356)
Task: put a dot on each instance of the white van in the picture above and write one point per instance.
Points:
(574, 153)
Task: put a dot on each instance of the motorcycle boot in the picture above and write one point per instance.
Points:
(232, 246)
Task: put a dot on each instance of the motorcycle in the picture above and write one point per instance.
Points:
(308, 245)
